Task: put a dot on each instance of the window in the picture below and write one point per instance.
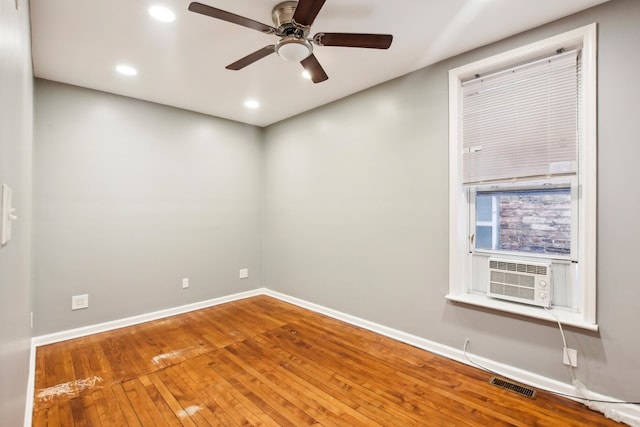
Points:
(487, 225)
(523, 174)
(535, 221)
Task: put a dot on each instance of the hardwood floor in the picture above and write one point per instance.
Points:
(260, 361)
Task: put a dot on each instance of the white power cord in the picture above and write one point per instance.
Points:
(565, 347)
(602, 406)
(592, 403)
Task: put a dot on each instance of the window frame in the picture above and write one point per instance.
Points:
(568, 184)
(460, 259)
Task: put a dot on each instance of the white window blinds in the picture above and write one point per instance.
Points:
(522, 123)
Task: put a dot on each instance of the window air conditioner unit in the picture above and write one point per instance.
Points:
(524, 282)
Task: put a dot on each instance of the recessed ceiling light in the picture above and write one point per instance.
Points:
(126, 70)
(251, 103)
(306, 75)
(161, 13)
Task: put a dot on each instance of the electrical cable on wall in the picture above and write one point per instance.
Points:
(565, 347)
(570, 396)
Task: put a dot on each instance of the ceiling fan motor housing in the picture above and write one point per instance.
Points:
(282, 15)
(293, 45)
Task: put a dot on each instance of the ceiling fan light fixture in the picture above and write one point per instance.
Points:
(293, 49)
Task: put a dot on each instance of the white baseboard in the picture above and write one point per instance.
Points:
(626, 413)
(31, 382)
(135, 320)
(629, 414)
(109, 326)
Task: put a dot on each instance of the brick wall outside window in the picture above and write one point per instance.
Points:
(536, 222)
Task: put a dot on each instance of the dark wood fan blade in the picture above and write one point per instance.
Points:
(203, 9)
(251, 58)
(307, 10)
(371, 41)
(313, 67)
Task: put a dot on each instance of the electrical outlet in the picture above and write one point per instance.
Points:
(79, 301)
(244, 273)
(570, 357)
(185, 283)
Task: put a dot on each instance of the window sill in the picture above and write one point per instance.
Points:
(565, 317)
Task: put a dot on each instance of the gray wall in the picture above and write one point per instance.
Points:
(16, 124)
(356, 213)
(130, 197)
(351, 198)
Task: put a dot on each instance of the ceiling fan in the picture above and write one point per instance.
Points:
(292, 23)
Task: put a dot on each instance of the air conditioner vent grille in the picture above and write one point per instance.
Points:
(518, 267)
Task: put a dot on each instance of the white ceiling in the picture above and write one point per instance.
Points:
(182, 63)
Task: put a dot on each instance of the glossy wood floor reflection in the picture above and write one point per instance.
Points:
(260, 361)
